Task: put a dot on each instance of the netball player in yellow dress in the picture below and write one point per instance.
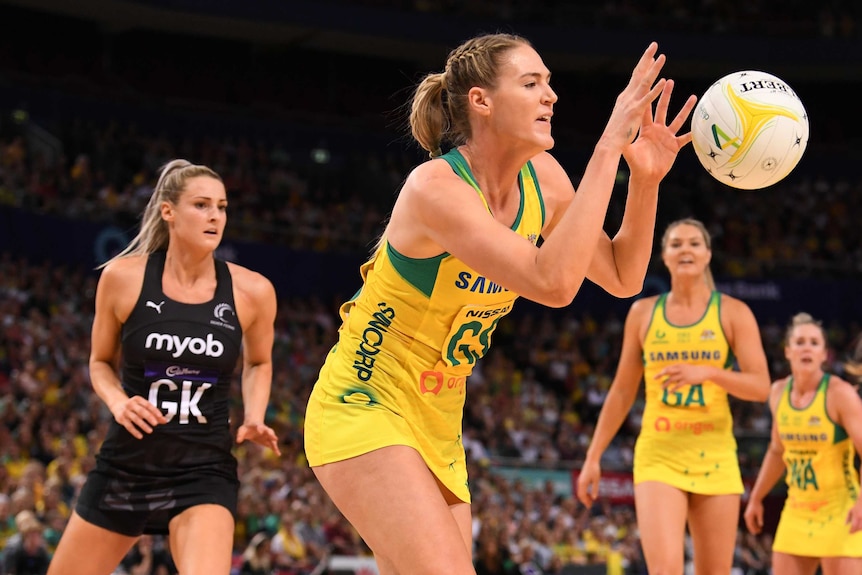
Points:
(816, 433)
(383, 425)
(692, 346)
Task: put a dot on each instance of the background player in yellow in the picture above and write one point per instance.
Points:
(682, 345)
(817, 421)
(383, 422)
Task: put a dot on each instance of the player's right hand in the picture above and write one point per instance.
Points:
(754, 516)
(633, 101)
(137, 414)
(588, 483)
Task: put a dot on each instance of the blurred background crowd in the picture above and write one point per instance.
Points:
(305, 124)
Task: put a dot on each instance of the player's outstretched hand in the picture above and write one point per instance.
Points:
(635, 101)
(652, 154)
(260, 434)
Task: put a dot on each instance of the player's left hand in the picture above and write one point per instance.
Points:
(653, 152)
(260, 434)
(673, 377)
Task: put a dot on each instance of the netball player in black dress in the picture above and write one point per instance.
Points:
(171, 323)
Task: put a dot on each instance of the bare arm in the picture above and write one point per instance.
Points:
(619, 401)
(256, 307)
(751, 382)
(114, 303)
(626, 383)
(435, 207)
(771, 470)
(620, 265)
(845, 408)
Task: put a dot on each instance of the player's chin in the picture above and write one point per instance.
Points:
(546, 141)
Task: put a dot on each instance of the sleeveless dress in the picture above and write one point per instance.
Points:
(686, 439)
(822, 481)
(181, 357)
(409, 339)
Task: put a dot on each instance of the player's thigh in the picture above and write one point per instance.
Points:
(463, 516)
(87, 549)
(661, 514)
(785, 564)
(393, 500)
(841, 565)
(201, 540)
(713, 521)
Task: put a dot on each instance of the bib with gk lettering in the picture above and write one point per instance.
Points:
(181, 358)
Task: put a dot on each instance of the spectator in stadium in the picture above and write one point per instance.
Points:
(816, 433)
(257, 558)
(30, 556)
(682, 344)
(181, 320)
(383, 423)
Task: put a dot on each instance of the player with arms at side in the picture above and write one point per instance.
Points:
(383, 425)
(171, 324)
(816, 434)
(682, 344)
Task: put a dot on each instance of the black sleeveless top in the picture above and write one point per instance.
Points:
(182, 358)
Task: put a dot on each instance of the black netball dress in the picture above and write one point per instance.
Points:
(181, 357)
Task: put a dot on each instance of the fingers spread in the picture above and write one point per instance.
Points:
(683, 114)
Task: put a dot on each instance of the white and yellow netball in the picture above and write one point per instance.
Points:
(749, 129)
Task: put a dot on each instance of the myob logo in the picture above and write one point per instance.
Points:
(196, 345)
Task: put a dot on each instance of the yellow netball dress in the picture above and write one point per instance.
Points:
(408, 341)
(822, 482)
(686, 438)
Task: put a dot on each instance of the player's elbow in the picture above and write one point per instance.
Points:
(625, 291)
(621, 286)
(760, 391)
(560, 293)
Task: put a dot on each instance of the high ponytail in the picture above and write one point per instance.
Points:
(428, 117)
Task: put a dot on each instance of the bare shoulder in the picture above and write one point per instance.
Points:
(545, 162)
(425, 202)
(736, 317)
(120, 285)
(551, 173)
(776, 390)
(125, 269)
(842, 390)
(430, 173)
(643, 307)
(778, 386)
(639, 315)
(252, 286)
(122, 279)
(734, 305)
